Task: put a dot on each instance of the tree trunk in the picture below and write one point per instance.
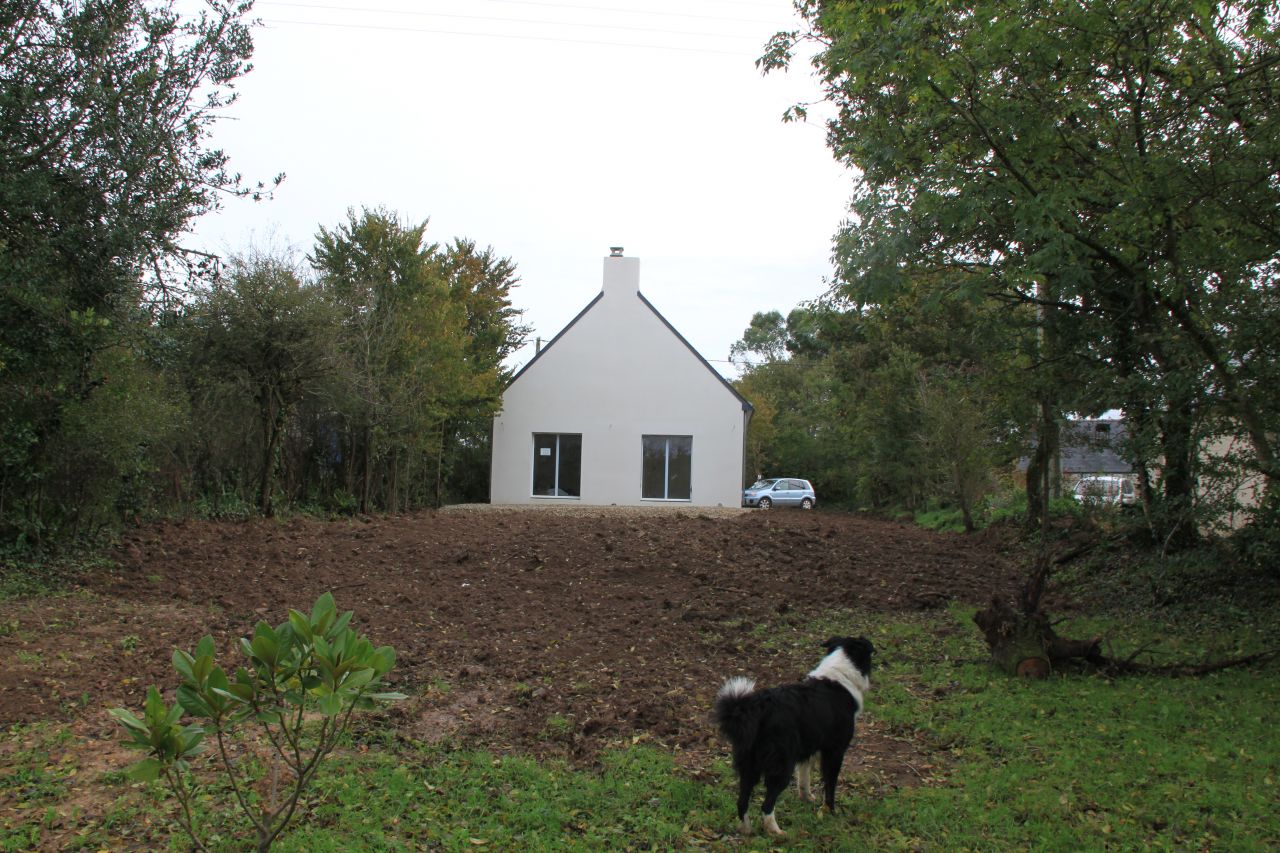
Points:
(1039, 477)
(273, 416)
(1178, 478)
(366, 486)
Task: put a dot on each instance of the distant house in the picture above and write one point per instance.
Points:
(1087, 447)
(619, 409)
(1092, 446)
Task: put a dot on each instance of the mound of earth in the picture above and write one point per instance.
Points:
(542, 632)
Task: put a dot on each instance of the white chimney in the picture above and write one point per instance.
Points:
(621, 275)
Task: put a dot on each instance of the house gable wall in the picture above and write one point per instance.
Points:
(619, 372)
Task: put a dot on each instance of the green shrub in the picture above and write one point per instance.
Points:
(307, 666)
(944, 520)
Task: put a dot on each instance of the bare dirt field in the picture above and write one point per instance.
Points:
(618, 625)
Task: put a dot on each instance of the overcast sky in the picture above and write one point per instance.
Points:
(549, 131)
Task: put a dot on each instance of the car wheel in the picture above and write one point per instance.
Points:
(765, 503)
(806, 504)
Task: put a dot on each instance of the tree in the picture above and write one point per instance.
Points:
(272, 337)
(410, 364)
(481, 282)
(105, 108)
(765, 338)
(1113, 164)
(955, 432)
(894, 405)
(797, 424)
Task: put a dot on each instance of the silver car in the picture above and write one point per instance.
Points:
(780, 491)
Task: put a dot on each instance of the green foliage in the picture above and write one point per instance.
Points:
(104, 460)
(1109, 165)
(24, 572)
(942, 520)
(312, 664)
(268, 341)
(904, 404)
(423, 333)
(117, 397)
(104, 112)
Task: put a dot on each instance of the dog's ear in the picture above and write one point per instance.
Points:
(864, 641)
(832, 644)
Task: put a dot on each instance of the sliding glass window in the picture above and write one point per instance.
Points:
(667, 467)
(557, 465)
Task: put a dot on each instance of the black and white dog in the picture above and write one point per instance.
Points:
(777, 730)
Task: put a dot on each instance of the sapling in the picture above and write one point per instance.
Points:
(303, 680)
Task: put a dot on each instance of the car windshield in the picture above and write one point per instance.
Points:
(762, 484)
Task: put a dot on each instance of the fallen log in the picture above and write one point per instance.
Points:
(1129, 666)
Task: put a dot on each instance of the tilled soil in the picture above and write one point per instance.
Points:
(533, 631)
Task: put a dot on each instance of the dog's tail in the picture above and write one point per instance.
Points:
(729, 708)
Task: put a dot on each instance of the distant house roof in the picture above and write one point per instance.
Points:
(1093, 447)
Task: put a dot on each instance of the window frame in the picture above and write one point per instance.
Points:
(666, 467)
(558, 456)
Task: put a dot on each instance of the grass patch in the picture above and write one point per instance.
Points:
(26, 573)
(1076, 762)
(465, 801)
(1008, 507)
(943, 520)
(34, 779)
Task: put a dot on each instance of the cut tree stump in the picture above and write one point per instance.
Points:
(1022, 640)
(1025, 644)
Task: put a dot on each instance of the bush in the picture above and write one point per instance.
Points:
(1257, 544)
(306, 667)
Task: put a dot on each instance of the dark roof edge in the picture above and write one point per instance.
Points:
(746, 406)
(558, 336)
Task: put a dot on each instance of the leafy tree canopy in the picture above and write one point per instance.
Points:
(105, 109)
(1115, 163)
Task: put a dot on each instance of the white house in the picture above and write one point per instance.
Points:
(619, 409)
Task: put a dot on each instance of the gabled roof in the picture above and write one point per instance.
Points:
(1093, 447)
(1090, 446)
(746, 406)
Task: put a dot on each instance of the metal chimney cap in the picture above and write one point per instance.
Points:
(615, 251)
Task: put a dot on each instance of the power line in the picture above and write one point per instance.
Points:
(347, 26)
(639, 11)
(540, 3)
(535, 21)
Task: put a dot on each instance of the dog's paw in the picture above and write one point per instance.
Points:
(745, 826)
(771, 826)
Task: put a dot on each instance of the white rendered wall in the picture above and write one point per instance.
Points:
(616, 374)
